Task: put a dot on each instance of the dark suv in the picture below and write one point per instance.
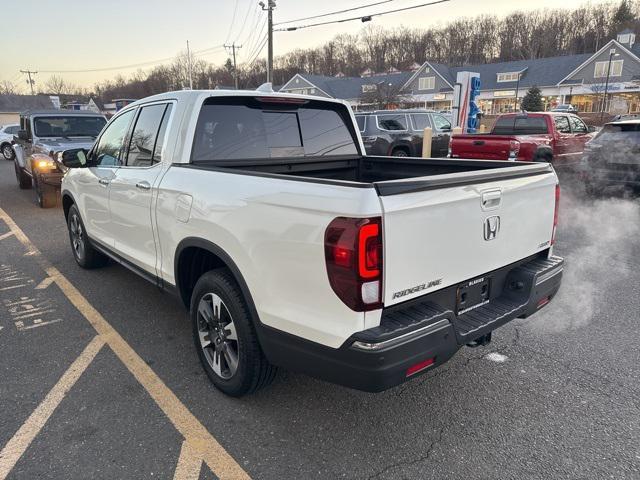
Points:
(399, 133)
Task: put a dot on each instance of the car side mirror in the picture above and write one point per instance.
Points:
(23, 135)
(592, 129)
(73, 158)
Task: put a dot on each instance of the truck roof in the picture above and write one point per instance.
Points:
(185, 95)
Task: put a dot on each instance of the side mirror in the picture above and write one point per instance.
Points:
(23, 135)
(73, 158)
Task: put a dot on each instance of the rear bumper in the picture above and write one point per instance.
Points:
(422, 330)
(611, 176)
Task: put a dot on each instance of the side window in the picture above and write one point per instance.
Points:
(110, 149)
(361, 121)
(562, 124)
(441, 122)
(12, 130)
(578, 125)
(420, 121)
(145, 133)
(392, 122)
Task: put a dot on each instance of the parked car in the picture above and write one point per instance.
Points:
(538, 137)
(565, 108)
(399, 133)
(613, 157)
(41, 135)
(291, 247)
(7, 132)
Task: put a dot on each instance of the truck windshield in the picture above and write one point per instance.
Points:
(246, 129)
(513, 125)
(68, 126)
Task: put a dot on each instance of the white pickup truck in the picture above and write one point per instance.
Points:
(292, 248)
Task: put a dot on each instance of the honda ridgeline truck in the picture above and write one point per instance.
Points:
(292, 248)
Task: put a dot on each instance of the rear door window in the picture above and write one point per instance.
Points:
(393, 122)
(244, 129)
(145, 133)
(514, 125)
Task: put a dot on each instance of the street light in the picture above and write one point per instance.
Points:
(612, 53)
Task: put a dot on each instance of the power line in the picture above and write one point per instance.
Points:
(258, 51)
(233, 21)
(363, 18)
(257, 40)
(246, 19)
(335, 13)
(249, 41)
(133, 65)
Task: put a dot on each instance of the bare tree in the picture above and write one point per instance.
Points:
(8, 88)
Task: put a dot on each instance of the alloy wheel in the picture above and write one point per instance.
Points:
(218, 337)
(77, 236)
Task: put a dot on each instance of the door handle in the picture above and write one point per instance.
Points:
(143, 185)
(104, 181)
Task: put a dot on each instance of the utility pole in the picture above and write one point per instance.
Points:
(271, 4)
(233, 48)
(190, 69)
(612, 53)
(30, 81)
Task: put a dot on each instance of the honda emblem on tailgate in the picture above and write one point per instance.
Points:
(491, 228)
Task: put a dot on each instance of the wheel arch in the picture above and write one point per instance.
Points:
(543, 153)
(67, 201)
(195, 256)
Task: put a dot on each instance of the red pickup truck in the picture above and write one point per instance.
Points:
(538, 137)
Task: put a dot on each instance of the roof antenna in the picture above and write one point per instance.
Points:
(265, 87)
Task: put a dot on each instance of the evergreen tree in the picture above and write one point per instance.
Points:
(622, 18)
(532, 101)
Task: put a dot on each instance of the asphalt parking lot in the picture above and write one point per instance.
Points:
(99, 378)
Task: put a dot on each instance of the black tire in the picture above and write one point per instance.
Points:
(86, 256)
(399, 152)
(24, 180)
(46, 195)
(7, 152)
(252, 370)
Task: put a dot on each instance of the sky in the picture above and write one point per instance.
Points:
(87, 34)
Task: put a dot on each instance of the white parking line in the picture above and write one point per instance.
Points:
(19, 443)
(5, 235)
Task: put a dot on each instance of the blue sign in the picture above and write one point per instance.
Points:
(472, 119)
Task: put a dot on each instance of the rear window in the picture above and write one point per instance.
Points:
(245, 129)
(520, 126)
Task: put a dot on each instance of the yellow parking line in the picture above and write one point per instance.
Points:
(195, 434)
(45, 283)
(19, 443)
(189, 464)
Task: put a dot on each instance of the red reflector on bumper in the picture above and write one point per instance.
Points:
(543, 301)
(418, 367)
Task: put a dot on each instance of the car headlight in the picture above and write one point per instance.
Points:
(45, 164)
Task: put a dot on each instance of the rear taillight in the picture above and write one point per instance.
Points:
(514, 149)
(555, 215)
(353, 253)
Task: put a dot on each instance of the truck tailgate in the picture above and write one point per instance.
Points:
(447, 229)
(489, 147)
